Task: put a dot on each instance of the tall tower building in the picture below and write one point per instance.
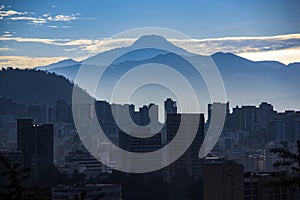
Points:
(170, 106)
(189, 161)
(36, 143)
(63, 111)
(139, 145)
(218, 108)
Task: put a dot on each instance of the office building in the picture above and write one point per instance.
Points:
(36, 144)
(189, 161)
(170, 106)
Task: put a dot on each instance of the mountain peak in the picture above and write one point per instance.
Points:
(61, 63)
(152, 41)
(158, 42)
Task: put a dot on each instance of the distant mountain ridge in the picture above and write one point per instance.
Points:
(246, 81)
(62, 63)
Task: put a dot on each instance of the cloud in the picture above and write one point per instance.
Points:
(36, 40)
(8, 13)
(285, 56)
(45, 18)
(27, 62)
(7, 35)
(59, 26)
(100, 45)
(33, 20)
(16, 16)
(62, 18)
(38, 20)
(5, 49)
(88, 45)
(240, 44)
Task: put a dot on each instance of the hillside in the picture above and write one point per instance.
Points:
(34, 86)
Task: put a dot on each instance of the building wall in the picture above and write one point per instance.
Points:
(36, 144)
(223, 181)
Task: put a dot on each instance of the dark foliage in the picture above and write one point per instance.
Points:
(290, 166)
(12, 183)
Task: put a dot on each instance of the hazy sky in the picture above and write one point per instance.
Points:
(37, 32)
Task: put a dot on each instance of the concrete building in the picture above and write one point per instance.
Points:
(222, 180)
(89, 192)
(189, 161)
(139, 145)
(170, 106)
(36, 144)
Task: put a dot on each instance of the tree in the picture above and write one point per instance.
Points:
(12, 185)
(13, 176)
(290, 164)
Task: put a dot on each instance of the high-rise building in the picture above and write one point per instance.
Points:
(265, 113)
(189, 161)
(285, 127)
(36, 143)
(39, 113)
(244, 118)
(139, 145)
(222, 180)
(9, 107)
(170, 106)
(103, 111)
(63, 111)
(219, 106)
(297, 128)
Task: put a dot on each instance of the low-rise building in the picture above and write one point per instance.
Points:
(87, 192)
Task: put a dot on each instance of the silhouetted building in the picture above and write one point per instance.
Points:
(103, 111)
(144, 118)
(39, 113)
(257, 187)
(189, 161)
(84, 163)
(222, 180)
(63, 111)
(217, 105)
(140, 145)
(285, 126)
(135, 144)
(36, 143)
(170, 106)
(9, 107)
(90, 192)
(265, 113)
(244, 118)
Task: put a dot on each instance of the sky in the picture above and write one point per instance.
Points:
(36, 33)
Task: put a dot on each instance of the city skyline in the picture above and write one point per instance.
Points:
(144, 100)
(248, 135)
